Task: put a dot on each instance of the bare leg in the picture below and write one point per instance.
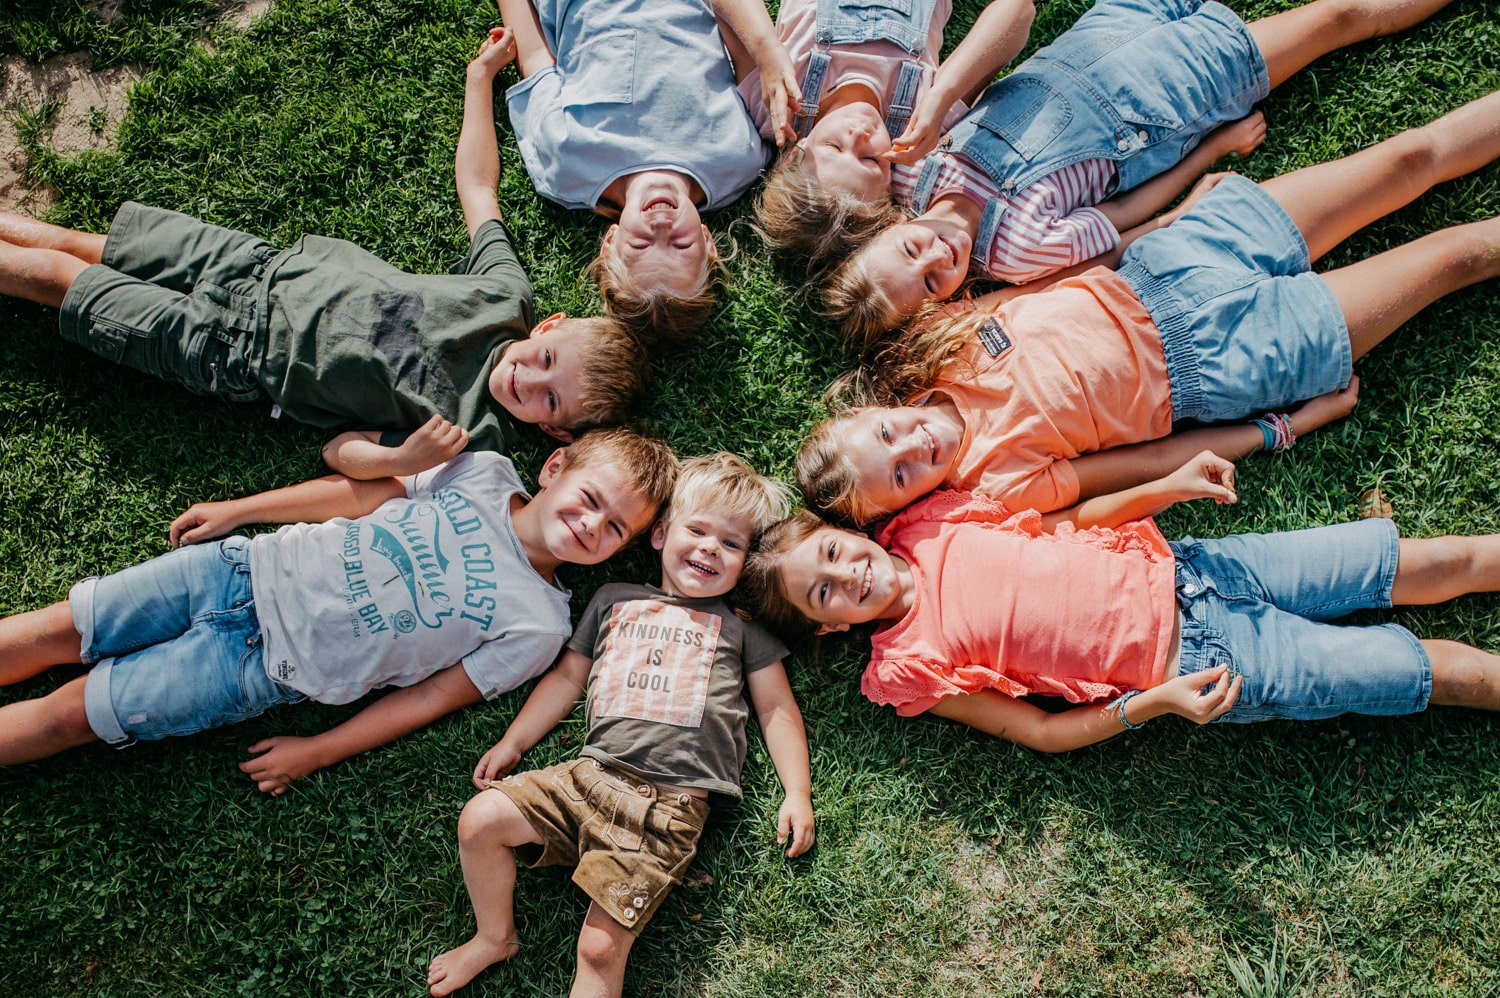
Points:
(532, 51)
(489, 828)
(1292, 39)
(36, 729)
(32, 642)
(22, 230)
(39, 275)
(1463, 676)
(1436, 569)
(1331, 201)
(1379, 294)
(603, 947)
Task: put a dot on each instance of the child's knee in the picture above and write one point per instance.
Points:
(604, 948)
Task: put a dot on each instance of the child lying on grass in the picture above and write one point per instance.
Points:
(442, 585)
(664, 671)
(333, 336)
(977, 606)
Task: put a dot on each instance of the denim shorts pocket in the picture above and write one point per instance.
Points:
(606, 76)
(872, 9)
(1028, 114)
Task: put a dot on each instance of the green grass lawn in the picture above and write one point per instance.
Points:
(1355, 856)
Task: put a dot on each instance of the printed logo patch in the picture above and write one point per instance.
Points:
(993, 337)
(656, 662)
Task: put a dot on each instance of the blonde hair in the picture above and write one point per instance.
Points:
(899, 370)
(761, 585)
(648, 464)
(657, 314)
(795, 212)
(864, 313)
(723, 481)
(613, 375)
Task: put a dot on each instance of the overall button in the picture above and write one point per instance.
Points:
(1142, 135)
(1123, 144)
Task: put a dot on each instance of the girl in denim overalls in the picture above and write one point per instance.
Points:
(868, 70)
(1079, 146)
(628, 108)
(1031, 395)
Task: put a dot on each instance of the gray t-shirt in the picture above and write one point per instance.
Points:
(420, 584)
(666, 694)
(351, 340)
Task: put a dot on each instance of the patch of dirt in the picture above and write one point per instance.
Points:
(89, 108)
(107, 11)
(246, 14)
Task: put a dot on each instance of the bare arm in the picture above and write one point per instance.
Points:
(1123, 467)
(786, 740)
(1020, 722)
(285, 758)
(1137, 205)
(553, 699)
(476, 163)
(533, 54)
(308, 502)
(747, 28)
(360, 454)
(1206, 476)
(997, 37)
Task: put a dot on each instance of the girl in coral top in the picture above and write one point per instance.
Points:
(1215, 317)
(976, 607)
(1064, 158)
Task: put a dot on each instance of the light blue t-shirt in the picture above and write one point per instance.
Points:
(638, 85)
(422, 583)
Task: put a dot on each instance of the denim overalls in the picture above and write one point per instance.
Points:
(1139, 82)
(853, 22)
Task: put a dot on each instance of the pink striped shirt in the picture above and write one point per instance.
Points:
(1047, 226)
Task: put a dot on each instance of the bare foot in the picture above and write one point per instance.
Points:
(452, 970)
(1240, 138)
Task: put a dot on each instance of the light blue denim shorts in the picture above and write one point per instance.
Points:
(1245, 323)
(1261, 603)
(177, 644)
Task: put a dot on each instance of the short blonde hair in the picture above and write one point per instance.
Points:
(761, 586)
(613, 375)
(657, 315)
(648, 463)
(795, 212)
(723, 481)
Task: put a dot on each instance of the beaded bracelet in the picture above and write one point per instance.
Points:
(1276, 430)
(1118, 705)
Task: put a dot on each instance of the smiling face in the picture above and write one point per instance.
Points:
(702, 552)
(538, 379)
(925, 259)
(837, 578)
(898, 455)
(660, 238)
(581, 514)
(843, 152)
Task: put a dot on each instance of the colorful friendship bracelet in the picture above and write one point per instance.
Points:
(1276, 429)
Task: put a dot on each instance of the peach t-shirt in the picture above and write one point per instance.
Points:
(1000, 604)
(1067, 371)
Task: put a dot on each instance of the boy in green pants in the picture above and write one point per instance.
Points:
(333, 336)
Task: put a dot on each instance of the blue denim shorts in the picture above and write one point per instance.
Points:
(177, 644)
(1261, 603)
(1245, 323)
